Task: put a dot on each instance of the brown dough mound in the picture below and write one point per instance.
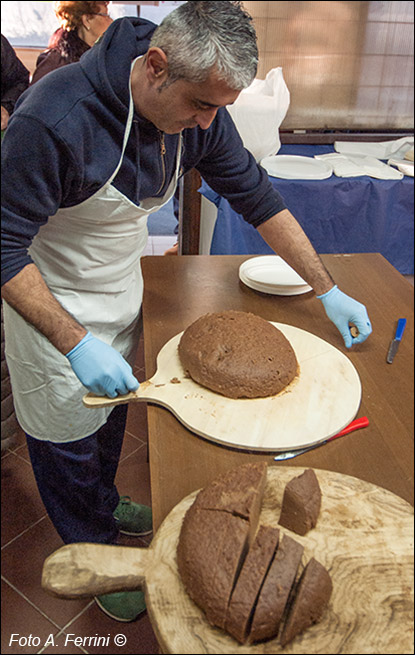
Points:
(237, 354)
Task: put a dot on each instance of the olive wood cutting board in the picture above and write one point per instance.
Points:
(320, 401)
(364, 537)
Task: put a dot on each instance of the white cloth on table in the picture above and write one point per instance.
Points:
(354, 166)
(381, 150)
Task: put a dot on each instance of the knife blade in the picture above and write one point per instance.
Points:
(354, 425)
(393, 348)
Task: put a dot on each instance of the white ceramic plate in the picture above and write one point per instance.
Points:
(294, 167)
(271, 274)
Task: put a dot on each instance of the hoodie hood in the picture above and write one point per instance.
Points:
(107, 64)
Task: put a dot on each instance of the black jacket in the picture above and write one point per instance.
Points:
(67, 48)
(14, 76)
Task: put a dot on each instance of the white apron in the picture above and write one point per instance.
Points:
(89, 256)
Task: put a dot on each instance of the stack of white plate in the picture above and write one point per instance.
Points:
(295, 167)
(271, 274)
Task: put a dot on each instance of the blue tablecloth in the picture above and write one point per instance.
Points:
(339, 215)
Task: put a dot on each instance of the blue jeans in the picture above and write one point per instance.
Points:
(76, 481)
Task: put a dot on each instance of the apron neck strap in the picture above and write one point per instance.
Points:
(128, 125)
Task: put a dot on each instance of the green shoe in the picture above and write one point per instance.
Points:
(133, 519)
(123, 606)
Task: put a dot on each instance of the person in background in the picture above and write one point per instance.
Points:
(81, 24)
(14, 80)
(92, 150)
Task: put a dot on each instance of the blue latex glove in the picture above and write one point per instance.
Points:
(100, 368)
(342, 310)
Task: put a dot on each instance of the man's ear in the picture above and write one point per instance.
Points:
(85, 21)
(156, 65)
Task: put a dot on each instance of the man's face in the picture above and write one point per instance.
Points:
(185, 105)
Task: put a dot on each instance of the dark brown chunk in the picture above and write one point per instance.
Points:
(301, 503)
(249, 583)
(276, 590)
(309, 602)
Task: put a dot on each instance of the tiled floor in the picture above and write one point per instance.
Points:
(28, 537)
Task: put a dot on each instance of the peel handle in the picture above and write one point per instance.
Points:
(82, 570)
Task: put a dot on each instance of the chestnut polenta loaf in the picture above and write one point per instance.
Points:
(237, 354)
(240, 575)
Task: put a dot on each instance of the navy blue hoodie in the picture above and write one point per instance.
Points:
(65, 137)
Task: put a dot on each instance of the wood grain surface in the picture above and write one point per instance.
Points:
(320, 401)
(364, 537)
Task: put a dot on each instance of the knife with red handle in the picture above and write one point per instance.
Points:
(354, 425)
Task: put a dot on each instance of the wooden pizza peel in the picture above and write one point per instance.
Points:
(364, 537)
(320, 401)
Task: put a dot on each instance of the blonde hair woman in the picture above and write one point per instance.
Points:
(81, 24)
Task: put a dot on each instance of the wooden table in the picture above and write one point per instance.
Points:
(180, 289)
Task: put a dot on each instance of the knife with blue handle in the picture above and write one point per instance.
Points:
(393, 348)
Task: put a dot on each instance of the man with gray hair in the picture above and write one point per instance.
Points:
(91, 150)
(209, 36)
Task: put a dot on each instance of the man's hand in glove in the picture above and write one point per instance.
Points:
(343, 310)
(100, 368)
